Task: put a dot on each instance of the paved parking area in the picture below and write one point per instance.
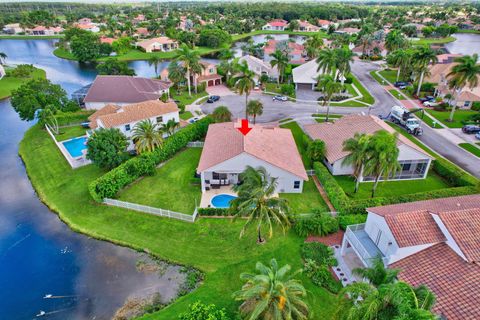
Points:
(220, 90)
(467, 137)
(308, 94)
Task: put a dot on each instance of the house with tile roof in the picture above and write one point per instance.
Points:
(325, 24)
(306, 26)
(276, 25)
(124, 118)
(122, 90)
(306, 75)
(259, 67)
(414, 161)
(208, 75)
(227, 153)
(432, 242)
(296, 51)
(163, 44)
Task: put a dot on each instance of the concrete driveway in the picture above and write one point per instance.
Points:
(220, 90)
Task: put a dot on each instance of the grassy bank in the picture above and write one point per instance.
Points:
(8, 83)
(458, 118)
(212, 245)
(28, 37)
(429, 41)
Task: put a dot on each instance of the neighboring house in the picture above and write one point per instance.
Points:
(276, 25)
(88, 27)
(163, 44)
(209, 75)
(434, 243)
(306, 26)
(141, 33)
(259, 67)
(185, 24)
(44, 31)
(296, 51)
(13, 28)
(325, 24)
(305, 76)
(414, 161)
(438, 74)
(349, 31)
(126, 117)
(122, 90)
(227, 153)
(371, 49)
(84, 21)
(139, 18)
(108, 40)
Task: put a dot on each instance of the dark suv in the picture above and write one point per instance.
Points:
(470, 129)
(212, 99)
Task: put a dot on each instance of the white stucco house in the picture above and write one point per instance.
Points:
(276, 25)
(126, 117)
(259, 67)
(305, 76)
(432, 242)
(414, 161)
(227, 153)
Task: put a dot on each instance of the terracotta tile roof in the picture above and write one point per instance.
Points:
(414, 228)
(162, 40)
(454, 281)
(278, 23)
(137, 112)
(125, 89)
(273, 145)
(323, 22)
(209, 77)
(108, 109)
(334, 134)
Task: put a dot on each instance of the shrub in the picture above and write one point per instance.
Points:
(334, 191)
(22, 71)
(110, 183)
(107, 148)
(65, 118)
(318, 252)
(476, 106)
(345, 220)
(201, 311)
(427, 87)
(321, 276)
(214, 212)
(287, 89)
(453, 174)
(349, 79)
(316, 150)
(319, 223)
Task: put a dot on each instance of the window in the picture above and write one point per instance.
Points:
(211, 70)
(159, 119)
(406, 166)
(466, 104)
(127, 127)
(296, 185)
(421, 167)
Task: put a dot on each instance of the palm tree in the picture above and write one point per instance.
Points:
(465, 73)
(395, 40)
(326, 61)
(401, 59)
(146, 136)
(280, 60)
(313, 45)
(255, 201)
(377, 274)
(170, 126)
(226, 54)
(254, 108)
(422, 58)
(190, 59)
(271, 293)
(197, 69)
(228, 68)
(244, 82)
(221, 114)
(328, 86)
(357, 147)
(343, 57)
(3, 57)
(382, 160)
(176, 73)
(154, 61)
(366, 39)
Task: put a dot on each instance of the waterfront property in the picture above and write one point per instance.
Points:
(276, 25)
(305, 76)
(227, 153)
(208, 75)
(414, 161)
(122, 90)
(163, 44)
(296, 52)
(432, 242)
(126, 117)
(260, 67)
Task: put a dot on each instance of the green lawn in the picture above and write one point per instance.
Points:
(391, 188)
(298, 135)
(389, 75)
(70, 132)
(184, 98)
(377, 77)
(186, 115)
(171, 187)
(273, 87)
(367, 97)
(459, 116)
(29, 37)
(471, 148)
(351, 103)
(212, 245)
(396, 94)
(309, 199)
(8, 84)
(428, 41)
(64, 54)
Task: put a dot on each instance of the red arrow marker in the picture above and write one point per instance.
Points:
(244, 129)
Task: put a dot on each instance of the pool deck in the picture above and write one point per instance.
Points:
(207, 196)
(73, 162)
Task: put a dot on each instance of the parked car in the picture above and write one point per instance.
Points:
(477, 135)
(427, 98)
(256, 88)
(470, 129)
(401, 84)
(193, 120)
(212, 99)
(431, 103)
(280, 98)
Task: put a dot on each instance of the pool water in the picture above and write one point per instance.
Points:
(75, 146)
(222, 200)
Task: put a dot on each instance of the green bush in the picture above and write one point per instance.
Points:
(201, 311)
(453, 174)
(108, 185)
(345, 220)
(287, 89)
(321, 276)
(66, 118)
(476, 106)
(318, 223)
(318, 252)
(334, 191)
(427, 87)
(214, 212)
(349, 79)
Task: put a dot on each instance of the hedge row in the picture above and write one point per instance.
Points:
(463, 182)
(214, 212)
(113, 181)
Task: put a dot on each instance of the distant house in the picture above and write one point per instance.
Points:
(139, 18)
(433, 243)
(259, 67)
(227, 153)
(276, 25)
(88, 27)
(141, 33)
(123, 90)
(349, 31)
(108, 40)
(163, 44)
(371, 49)
(209, 75)
(414, 161)
(126, 117)
(13, 28)
(44, 31)
(84, 21)
(306, 26)
(296, 51)
(306, 75)
(325, 24)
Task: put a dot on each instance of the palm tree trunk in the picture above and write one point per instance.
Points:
(452, 113)
(328, 111)
(420, 83)
(377, 178)
(188, 82)
(195, 83)
(398, 73)
(357, 181)
(254, 117)
(260, 240)
(246, 103)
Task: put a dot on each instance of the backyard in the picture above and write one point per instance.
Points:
(172, 187)
(307, 200)
(459, 117)
(8, 83)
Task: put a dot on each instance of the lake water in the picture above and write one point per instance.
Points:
(466, 44)
(39, 254)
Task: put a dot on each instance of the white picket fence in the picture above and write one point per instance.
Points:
(151, 210)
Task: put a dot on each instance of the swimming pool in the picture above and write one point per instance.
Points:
(75, 146)
(222, 200)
